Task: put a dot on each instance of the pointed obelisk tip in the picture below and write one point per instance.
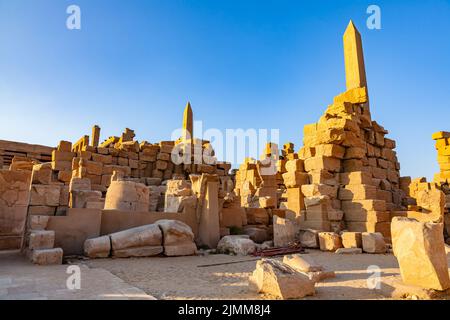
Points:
(355, 70)
(188, 122)
(351, 28)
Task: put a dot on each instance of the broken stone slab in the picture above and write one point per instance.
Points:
(98, 247)
(178, 238)
(319, 276)
(280, 280)
(148, 235)
(373, 242)
(146, 251)
(329, 241)
(41, 239)
(420, 251)
(302, 263)
(349, 251)
(309, 238)
(236, 244)
(45, 257)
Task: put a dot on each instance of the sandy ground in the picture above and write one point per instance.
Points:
(183, 278)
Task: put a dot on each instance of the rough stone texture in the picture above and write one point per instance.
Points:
(284, 231)
(329, 241)
(373, 242)
(279, 280)
(309, 238)
(149, 235)
(14, 198)
(127, 196)
(46, 256)
(145, 251)
(178, 238)
(420, 251)
(41, 239)
(258, 235)
(302, 263)
(98, 247)
(351, 239)
(238, 244)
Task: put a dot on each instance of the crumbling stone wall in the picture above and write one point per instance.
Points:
(14, 198)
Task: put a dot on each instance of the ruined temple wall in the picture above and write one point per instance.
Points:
(353, 169)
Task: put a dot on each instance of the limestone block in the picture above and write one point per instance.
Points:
(329, 241)
(79, 199)
(94, 168)
(357, 177)
(322, 177)
(358, 192)
(41, 211)
(236, 244)
(178, 204)
(62, 165)
(296, 165)
(80, 184)
(330, 150)
(420, 250)
(351, 239)
(42, 173)
(373, 242)
(41, 239)
(279, 280)
(267, 202)
(322, 163)
(302, 263)
(127, 196)
(258, 235)
(178, 238)
(47, 256)
(257, 216)
(38, 222)
(295, 179)
(65, 176)
(309, 238)
(317, 190)
(101, 158)
(45, 195)
(284, 232)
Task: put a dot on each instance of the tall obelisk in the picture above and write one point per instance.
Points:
(355, 71)
(188, 123)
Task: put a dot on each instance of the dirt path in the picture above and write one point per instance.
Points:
(181, 278)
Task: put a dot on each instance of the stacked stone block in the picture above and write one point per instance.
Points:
(353, 169)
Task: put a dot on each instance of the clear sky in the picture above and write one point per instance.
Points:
(241, 63)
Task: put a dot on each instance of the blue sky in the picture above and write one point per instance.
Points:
(242, 64)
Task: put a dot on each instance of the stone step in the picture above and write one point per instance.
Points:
(41, 239)
(46, 256)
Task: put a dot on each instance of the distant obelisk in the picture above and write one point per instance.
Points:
(188, 123)
(355, 71)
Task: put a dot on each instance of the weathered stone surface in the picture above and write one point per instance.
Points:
(284, 231)
(420, 251)
(148, 235)
(145, 251)
(351, 239)
(349, 251)
(237, 244)
(178, 238)
(258, 235)
(97, 247)
(46, 256)
(41, 239)
(309, 238)
(373, 242)
(45, 195)
(281, 281)
(127, 196)
(302, 263)
(329, 241)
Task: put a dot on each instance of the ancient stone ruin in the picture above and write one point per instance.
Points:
(341, 192)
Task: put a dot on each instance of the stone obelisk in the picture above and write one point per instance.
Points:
(188, 124)
(355, 71)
